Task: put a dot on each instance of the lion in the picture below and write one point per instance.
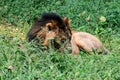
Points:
(49, 24)
(50, 27)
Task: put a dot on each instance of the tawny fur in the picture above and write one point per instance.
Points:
(87, 42)
(49, 36)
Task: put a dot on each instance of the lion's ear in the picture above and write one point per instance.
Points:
(66, 21)
(49, 26)
(67, 24)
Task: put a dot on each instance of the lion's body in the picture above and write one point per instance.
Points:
(85, 41)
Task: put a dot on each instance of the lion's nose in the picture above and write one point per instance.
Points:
(62, 40)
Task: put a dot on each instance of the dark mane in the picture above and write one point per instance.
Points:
(41, 22)
(51, 16)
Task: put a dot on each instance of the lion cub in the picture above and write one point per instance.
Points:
(87, 42)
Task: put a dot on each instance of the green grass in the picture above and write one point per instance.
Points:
(30, 62)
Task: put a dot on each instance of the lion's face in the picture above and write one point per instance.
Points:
(49, 32)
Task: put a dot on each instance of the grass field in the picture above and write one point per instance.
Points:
(20, 60)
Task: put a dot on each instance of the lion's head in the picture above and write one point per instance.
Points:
(50, 25)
